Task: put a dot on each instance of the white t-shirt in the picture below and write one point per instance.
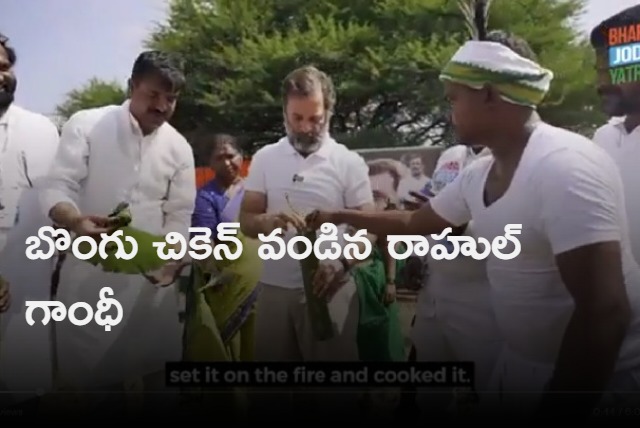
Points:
(566, 193)
(624, 148)
(333, 178)
(448, 278)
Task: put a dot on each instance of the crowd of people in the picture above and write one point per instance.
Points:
(562, 317)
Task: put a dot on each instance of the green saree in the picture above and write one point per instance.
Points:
(380, 335)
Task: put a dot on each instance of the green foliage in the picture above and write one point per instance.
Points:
(383, 55)
(95, 93)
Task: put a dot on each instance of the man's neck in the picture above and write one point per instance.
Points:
(4, 111)
(507, 147)
(631, 122)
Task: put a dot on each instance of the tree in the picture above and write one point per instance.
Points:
(95, 93)
(384, 57)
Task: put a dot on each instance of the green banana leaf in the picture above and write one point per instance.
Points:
(145, 260)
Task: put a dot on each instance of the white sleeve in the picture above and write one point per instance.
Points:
(69, 168)
(358, 190)
(580, 199)
(44, 152)
(256, 180)
(181, 197)
(450, 203)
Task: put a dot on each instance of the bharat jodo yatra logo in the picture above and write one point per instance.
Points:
(624, 53)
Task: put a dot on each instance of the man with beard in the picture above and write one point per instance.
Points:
(567, 304)
(621, 136)
(108, 155)
(28, 143)
(309, 170)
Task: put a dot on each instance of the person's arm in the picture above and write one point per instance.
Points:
(205, 215)
(205, 212)
(580, 211)
(180, 200)
(358, 196)
(40, 155)
(254, 201)
(68, 170)
(447, 209)
(390, 263)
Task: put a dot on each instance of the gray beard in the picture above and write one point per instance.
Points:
(306, 144)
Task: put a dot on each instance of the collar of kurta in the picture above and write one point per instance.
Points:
(133, 124)
(618, 123)
(323, 152)
(6, 117)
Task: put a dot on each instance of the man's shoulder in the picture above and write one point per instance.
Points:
(608, 132)
(175, 138)
(453, 152)
(553, 142)
(35, 120)
(269, 148)
(344, 154)
(86, 118)
(569, 156)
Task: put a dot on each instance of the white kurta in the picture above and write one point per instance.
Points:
(104, 160)
(28, 143)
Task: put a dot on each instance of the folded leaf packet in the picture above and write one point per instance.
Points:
(146, 258)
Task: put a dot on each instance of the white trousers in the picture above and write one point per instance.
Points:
(456, 329)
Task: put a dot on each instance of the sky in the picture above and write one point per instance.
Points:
(61, 44)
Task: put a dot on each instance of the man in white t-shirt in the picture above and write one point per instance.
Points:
(454, 317)
(568, 305)
(620, 137)
(311, 170)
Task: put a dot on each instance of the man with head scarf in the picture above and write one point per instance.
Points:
(568, 303)
(620, 137)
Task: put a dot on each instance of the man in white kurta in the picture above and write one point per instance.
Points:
(620, 137)
(28, 143)
(108, 155)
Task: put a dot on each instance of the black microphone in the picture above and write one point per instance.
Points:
(297, 178)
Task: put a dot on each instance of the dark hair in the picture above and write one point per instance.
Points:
(157, 63)
(513, 42)
(629, 16)
(304, 81)
(212, 142)
(385, 166)
(11, 53)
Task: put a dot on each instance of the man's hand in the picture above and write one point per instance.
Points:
(5, 296)
(419, 200)
(168, 274)
(92, 225)
(282, 220)
(389, 295)
(328, 279)
(317, 218)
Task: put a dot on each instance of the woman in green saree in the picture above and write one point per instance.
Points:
(380, 336)
(222, 294)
